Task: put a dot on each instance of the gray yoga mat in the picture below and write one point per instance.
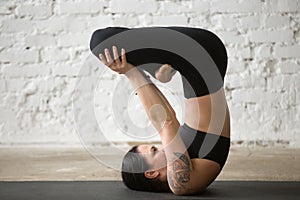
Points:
(113, 190)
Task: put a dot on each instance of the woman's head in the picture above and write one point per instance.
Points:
(144, 168)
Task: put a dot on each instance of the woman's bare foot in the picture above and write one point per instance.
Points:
(165, 73)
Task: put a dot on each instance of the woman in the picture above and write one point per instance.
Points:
(182, 165)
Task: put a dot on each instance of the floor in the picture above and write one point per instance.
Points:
(244, 163)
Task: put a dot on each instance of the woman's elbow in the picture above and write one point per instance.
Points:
(188, 192)
(183, 193)
(160, 115)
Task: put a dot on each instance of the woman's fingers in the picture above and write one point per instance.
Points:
(123, 56)
(115, 64)
(108, 57)
(118, 65)
(116, 54)
(103, 59)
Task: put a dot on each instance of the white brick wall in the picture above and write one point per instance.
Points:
(45, 44)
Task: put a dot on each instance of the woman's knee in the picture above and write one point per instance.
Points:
(100, 35)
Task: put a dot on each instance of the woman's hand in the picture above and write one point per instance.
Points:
(117, 65)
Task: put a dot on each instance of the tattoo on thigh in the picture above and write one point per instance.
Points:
(179, 171)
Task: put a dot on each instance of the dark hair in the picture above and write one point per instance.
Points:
(133, 168)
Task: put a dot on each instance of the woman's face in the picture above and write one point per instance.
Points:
(154, 156)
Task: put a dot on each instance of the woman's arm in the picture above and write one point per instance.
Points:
(180, 170)
(157, 107)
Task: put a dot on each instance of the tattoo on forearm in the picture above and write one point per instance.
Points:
(179, 171)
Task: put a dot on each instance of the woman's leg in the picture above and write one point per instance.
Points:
(193, 83)
(137, 57)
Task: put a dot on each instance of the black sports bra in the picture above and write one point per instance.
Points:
(205, 145)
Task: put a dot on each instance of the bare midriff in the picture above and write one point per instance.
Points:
(208, 113)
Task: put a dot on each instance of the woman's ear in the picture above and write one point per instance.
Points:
(151, 174)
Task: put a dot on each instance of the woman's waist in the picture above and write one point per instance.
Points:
(208, 113)
(222, 129)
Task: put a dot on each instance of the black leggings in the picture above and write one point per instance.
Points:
(194, 82)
